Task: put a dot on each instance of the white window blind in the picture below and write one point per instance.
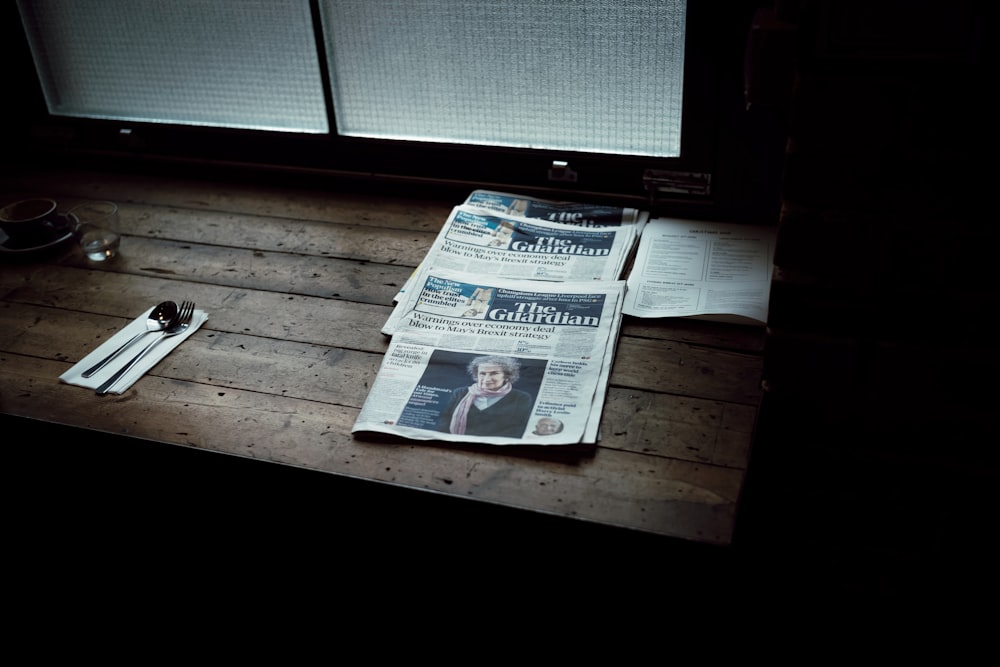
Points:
(595, 76)
(601, 76)
(249, 64)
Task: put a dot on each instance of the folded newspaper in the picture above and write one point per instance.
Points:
(574, 213)
(506, 332)
(480, 358)
(484, 243)
(500, 212)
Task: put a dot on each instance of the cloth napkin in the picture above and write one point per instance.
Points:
(153, 357)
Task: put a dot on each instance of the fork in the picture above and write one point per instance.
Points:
(179, 326)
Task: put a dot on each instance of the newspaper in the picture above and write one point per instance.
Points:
(707, 270)
(573, 213)
(485, 243)
(563, 212)
(459, 332)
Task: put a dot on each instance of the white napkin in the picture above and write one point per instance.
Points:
(162, 349)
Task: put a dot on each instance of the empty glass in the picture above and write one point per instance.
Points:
(97, 229)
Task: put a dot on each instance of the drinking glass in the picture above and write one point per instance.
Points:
(97, 229)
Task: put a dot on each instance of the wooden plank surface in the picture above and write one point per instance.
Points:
(297, 284)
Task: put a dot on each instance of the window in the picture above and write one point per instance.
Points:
(575, 96)
(190, 63)
(592, 76)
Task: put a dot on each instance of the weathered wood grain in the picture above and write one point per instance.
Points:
(234, 343)
(301, 237)
(226, 355)
(620, 488)
(215, 196)
(680, 368)
(298, 283)
(254, 269)
(386, 229)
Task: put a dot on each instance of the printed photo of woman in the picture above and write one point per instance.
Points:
(491, 405)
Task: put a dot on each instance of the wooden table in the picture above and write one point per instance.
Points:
(297, 281)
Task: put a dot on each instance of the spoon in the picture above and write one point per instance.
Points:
(159, 319)
(180, 324)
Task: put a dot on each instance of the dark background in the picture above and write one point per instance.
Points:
(874, 469)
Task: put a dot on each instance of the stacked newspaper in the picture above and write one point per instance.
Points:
(506, 332)
(505, 210)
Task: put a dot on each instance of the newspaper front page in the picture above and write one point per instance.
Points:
(505, 204)
(495, 360)
(483, 243)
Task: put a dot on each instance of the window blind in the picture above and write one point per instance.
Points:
(251, 64)
(594, 76)
(602, 76)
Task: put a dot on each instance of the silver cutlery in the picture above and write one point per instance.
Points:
(159, 319)
(179, 326)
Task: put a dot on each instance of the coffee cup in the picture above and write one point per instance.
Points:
(31, 223)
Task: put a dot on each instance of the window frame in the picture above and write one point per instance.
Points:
(720, 138)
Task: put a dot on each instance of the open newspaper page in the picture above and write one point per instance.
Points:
(571, 213)
(709, 270)
(490, 244)
(481, 359)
